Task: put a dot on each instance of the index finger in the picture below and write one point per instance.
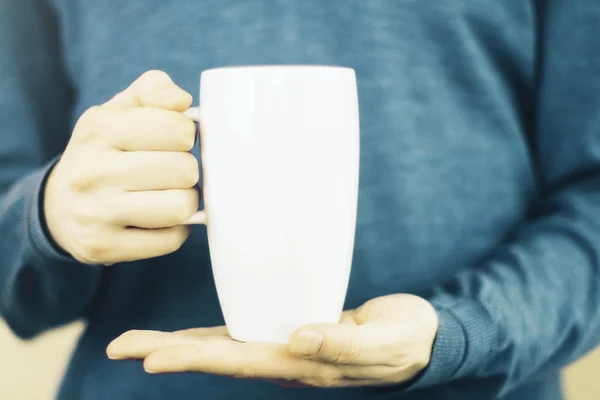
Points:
(152, 89)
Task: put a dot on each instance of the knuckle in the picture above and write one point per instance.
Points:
(183, 130)
(190, 170)
(149, 85)
(90, 114)
(88, 126)
(155, 75)
(81, 182)
(84, 178)
(188, 133)
(94, 113)
(95, 251)
(186, 204)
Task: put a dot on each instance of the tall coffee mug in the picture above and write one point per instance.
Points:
(280, 166)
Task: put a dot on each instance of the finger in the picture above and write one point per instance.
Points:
(183, 351)
(242, 360)
(217, 331)
(138, 244)
(154, 170)
(156, 209)
(139, 344)
(342, 344)
(257, 361)
(152, 89)
(151, 129)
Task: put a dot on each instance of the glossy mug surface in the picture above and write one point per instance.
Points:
(280, 168)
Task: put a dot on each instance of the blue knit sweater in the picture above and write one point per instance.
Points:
(480, 185)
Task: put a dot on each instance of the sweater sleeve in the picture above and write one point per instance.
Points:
(40, 287)
(533, 306)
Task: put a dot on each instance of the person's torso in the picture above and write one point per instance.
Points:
(446, 171)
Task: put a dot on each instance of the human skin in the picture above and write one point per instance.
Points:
(126, 182)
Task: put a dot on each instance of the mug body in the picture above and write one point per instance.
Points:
(280, 167)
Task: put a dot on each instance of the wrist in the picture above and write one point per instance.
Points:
(48, 223)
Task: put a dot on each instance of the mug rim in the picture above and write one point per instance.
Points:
(280, 66)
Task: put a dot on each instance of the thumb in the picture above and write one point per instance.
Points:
(344, 344)
(152, 89)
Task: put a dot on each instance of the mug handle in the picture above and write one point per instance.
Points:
(200, 217)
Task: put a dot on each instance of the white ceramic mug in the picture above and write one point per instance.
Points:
(280, 166)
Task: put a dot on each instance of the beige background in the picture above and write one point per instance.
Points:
(31, 370)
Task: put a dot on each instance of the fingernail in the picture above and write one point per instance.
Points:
(308, 343)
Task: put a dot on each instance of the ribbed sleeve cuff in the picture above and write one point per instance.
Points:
(464, 341)
(449, 351)
(42, 244)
